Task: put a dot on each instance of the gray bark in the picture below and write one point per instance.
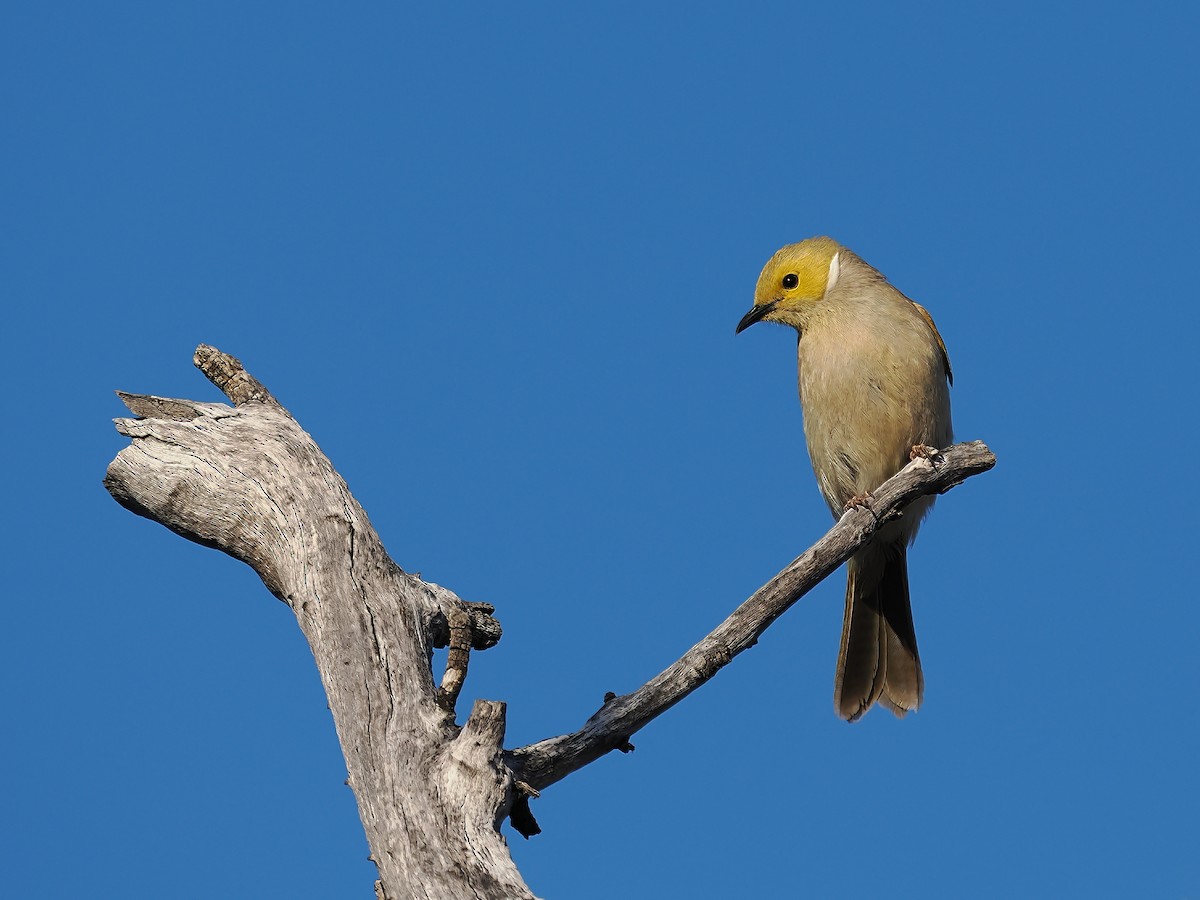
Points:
(250, 482)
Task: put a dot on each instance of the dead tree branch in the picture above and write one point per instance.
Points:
(248, 481)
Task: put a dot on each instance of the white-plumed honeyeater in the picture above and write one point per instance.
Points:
(874, 387)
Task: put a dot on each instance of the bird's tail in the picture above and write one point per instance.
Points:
(878, 659)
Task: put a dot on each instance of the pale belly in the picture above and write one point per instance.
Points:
(864, 414)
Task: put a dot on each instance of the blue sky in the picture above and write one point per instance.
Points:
(492, 258)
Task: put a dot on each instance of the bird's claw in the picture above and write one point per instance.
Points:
(858, 501)
(924, 451)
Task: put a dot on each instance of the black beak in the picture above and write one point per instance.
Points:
(756, 313)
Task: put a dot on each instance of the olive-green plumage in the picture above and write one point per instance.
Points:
(874, 384)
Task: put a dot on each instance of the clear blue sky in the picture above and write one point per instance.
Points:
(492, 259)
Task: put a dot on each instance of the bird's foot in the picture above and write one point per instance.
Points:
(867, 502)
(924, 451)
(858, 501)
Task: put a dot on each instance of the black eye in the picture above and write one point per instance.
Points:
(790, 280)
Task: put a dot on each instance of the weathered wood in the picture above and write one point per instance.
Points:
(250, 482)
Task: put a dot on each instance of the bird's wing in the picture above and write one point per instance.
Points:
(941, 344)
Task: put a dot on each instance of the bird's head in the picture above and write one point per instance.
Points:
(792, 281)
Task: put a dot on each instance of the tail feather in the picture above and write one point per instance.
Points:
(878, 659)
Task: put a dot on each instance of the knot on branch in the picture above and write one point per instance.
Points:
(485, 627)
(521, 816)
(622, 743)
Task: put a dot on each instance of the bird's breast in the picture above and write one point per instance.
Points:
(868, 395)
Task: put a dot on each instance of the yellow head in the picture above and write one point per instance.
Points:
(793, 280)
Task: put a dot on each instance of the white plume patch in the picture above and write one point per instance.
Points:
(835, 268)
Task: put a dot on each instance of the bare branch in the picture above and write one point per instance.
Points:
(548, 761)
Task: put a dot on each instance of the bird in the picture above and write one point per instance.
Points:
(874, 380)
